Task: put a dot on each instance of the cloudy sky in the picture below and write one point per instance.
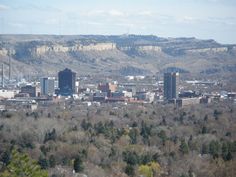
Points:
(204, 19)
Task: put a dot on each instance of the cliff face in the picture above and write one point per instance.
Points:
(206, 50)
(38, 50)
(7, 52)
(3, 52)
(41, 50)
(142, 49)
(86, 54)
(99, 44)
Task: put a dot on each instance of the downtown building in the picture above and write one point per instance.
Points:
(66, 82)
(47, 85)
(171, 84)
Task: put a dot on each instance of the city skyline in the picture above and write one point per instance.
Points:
(204, 19)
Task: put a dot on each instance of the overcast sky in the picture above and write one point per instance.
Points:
(204, 19)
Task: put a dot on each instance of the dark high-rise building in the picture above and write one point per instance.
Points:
(171, 82)
(66, 79)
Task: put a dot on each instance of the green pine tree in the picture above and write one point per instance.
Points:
(21, 165)
(184, 149)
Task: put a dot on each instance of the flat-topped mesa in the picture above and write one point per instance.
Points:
(40, 50)
(204, 50)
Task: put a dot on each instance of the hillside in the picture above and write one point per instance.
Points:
(126, 54)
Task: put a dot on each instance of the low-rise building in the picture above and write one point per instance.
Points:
(128, 94)
(6, 94)
(33, 91)
(187, 101)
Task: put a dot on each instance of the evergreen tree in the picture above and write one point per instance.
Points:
(131, 158)
(214, 148)
(43, 162)
(184, 147)
(52, 135)
(204, 130)
(21, 165)
(129, 170)
(52, 161)
(205, 149)
(224, 151)
(6, 157)
(78, 164)
(163, 136)
(133, 133)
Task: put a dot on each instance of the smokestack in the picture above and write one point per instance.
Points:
(2, 75)
(9, 68)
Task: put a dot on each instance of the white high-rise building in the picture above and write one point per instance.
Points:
(47, 86)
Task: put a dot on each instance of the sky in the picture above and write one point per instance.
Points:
(203, 19)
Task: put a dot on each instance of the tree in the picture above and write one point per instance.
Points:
(216, 114)
(21, 165)
(133, 133)
(205, 149)
(214, 148)
(145, 171)
(49, 115)
(184, 147)
(52, 135)
(224, 151)
(129, 170)
(149, 170)
(156, 168)
(131, 158)
(78, 164)
(85, 125)
(145, 132)
(43, 162)
(163, 136)
(204, 130)
(6, 157)
(100, 128)
(52, 161)
(146, 158)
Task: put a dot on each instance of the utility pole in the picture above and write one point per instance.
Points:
(9, 58)
(2, 75)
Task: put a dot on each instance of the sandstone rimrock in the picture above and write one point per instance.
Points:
(216, 50)
(40, 50)
(109, 54)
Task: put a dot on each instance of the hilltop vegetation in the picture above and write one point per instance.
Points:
(131, 140)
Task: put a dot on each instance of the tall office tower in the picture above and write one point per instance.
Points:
(171, 82)
(66, 79)
(47, 86)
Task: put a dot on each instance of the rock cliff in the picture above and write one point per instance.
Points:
(109, 54)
